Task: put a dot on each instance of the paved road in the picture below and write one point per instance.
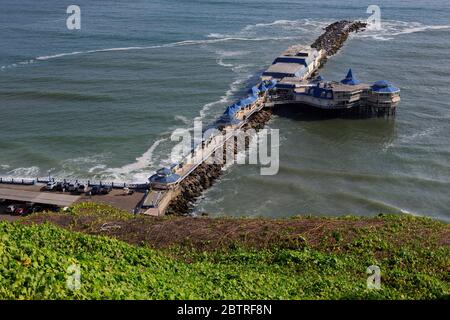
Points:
(63, 200)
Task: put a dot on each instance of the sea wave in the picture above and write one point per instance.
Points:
(392, 28)
(168, 45)
(278, 29)
(23, 172)
(139, 170)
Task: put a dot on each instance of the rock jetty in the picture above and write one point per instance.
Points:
(335, 35)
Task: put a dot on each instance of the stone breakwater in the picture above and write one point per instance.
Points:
(335, 35)
(204, 175)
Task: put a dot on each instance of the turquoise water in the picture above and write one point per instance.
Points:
(102, 102)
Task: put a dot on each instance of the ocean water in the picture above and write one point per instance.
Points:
(102, 102)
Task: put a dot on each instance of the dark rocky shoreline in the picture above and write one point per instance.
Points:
(204, 176)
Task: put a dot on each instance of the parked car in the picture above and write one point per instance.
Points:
(65, 186)
(72, 187)
(51, 186)
(105, 189)
(127, 191)
(21, 210)
(11, 208)
(36, 209)
(94, 190)
(100, 190)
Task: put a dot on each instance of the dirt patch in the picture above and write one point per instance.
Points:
(205, 233)
(116, 198)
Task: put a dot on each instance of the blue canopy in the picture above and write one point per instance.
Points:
(384, 86)
(164, 172)
(262, 87)
(349, 79)
(231, 110)
(254, 90)
(166, 179)
(319, 78)
(271, 84)
(247, 101)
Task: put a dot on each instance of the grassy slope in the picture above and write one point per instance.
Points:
(34, 259)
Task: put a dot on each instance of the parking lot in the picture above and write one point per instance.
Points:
(11, 210)
(41, 196)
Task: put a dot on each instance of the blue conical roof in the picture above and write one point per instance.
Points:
(349, 78)
(349, 74)
(319, 78)
(384, 86)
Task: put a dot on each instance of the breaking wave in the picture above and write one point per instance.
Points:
(276, 30)
(25, 172)
(139, 170)
(392, 28)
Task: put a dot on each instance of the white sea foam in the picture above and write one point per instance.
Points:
(277, 30)
(24, 172)
(97, 168)
(138, 170)
(224, 54)
(182, 119)
(417, 136)
(392, 28)
(168, 45)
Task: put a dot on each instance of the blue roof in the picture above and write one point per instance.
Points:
(271, 83)
(231, 110)
(285, 85)
(286, 59)
(349, 79)
(254, 90)
(384, 86)
(167, 179)
(164, 172)
(319, 78)
(247, 101)
(262, 87)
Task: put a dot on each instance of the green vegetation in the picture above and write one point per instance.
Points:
(413, 254)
